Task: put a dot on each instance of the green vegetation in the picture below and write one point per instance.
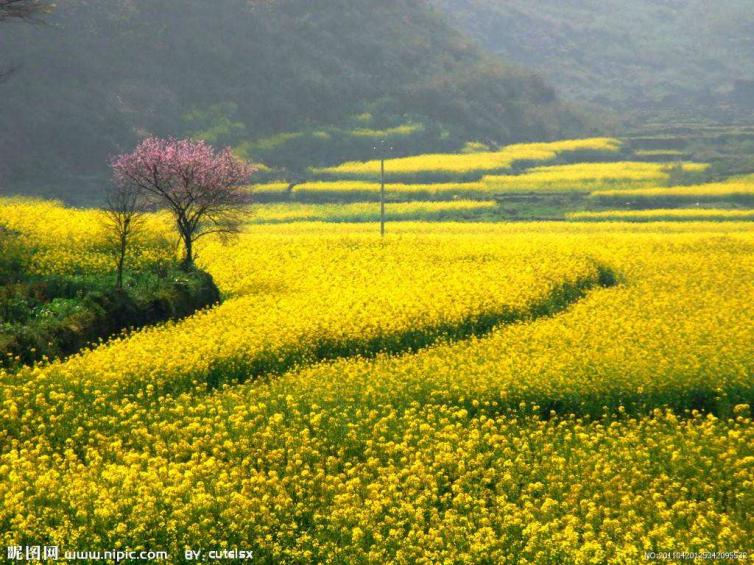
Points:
(288, 84)
(50, 316)
(534, 182)
(13, 257)
(665, 215)
(457, 210)
(731, 193)
(728, 149)
(663, 58)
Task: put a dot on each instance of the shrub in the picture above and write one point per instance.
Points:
(38, 326)
(14, 257)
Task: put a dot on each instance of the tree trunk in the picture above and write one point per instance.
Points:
(121, 262)
(188, 258)
(184, 229)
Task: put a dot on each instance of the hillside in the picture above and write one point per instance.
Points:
(689, 57)
(290, 83)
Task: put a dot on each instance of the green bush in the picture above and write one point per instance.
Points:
(34, 323)
(14, 257)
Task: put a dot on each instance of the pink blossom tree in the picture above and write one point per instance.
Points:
(204, 189)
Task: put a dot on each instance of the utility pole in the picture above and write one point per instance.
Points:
(381, 149)
(382, 196)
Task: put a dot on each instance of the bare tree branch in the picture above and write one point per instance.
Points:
(6, 73)
(24, 10)
(28, 11)
(124, 218)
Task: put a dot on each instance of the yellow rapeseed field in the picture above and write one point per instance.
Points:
(370, 211)
(739, 190)
(665, 215)
(71, 241)
(462, 393)
(271, 188)
(453, 163)
(587, 176)
(364, 190)
(659, 153)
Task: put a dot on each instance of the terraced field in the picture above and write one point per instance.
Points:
(571, 179)
(369, 212)
(665, 215)
(733, 191)
(585, 177)
(475, 162)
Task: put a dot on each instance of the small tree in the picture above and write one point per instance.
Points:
(124, 217)
(203, 189)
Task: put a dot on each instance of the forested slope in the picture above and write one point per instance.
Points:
(290, 82)
(656, 56)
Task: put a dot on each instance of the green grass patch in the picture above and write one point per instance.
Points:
(52, 316)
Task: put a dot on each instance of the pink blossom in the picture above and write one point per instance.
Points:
(203, 188)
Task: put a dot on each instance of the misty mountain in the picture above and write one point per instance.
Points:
(692, 56)
(271, 78)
